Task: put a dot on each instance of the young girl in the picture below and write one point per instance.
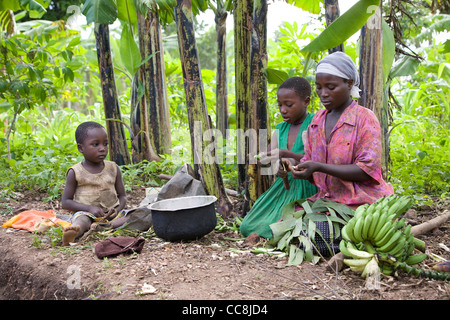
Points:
(94, 187)
(293, 99)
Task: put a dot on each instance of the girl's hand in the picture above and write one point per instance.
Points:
(284, 166)
(268, 157)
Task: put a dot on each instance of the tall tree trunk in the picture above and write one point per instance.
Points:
(118, 149)
(258, 116)
(372, 85)
(154, 78)
(205, 164)
(221, 74)
(141, 146)
(242, 13)
(331, 14)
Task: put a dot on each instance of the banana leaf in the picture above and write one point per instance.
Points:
(127, 11)
(343, 27)
(296, 255)
(99, 11)
(312, 6)
(388, 50)
(295, 233)
(275, 76)
(129, 51)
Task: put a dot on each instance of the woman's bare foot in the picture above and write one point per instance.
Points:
(69, 235)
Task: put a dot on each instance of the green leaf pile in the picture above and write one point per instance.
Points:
(295, 232)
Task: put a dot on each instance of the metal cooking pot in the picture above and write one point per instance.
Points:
(185, 218)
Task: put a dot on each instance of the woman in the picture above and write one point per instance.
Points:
(343, 143)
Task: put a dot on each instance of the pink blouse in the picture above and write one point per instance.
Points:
(356, 139)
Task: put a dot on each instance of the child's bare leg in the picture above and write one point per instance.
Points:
(77, 229)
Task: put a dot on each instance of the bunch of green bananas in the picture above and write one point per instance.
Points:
(377, 229)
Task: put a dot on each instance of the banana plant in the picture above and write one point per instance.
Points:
(205, 164)
(35, 8)
(242, 18)
(102, 13)
(220, 17)
(154, 108)
(343, 27)
(258, 115)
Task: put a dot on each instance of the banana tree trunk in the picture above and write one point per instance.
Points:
(221, 75)
(154, 79)
(242, 13)
(141, 146)
(118, 149)
(205, 165)
(331, 14)
(372, 84)
(258, 116)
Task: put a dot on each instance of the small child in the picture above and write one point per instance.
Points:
(94, 188)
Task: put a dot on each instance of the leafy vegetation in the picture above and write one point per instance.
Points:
(49, 84)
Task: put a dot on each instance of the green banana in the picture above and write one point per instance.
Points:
(356, 262)
(384, 201)
(375, 218)
(386, 268)
(411, 246)
(407, 231)
(381, 232)
(361, 210)
(358, 269)
(399, 248)
(344, 233)
(392, 209)
(416, 258)
(367, 223)
(358, 254)
(350, 226)
(380, 224)
(357, 230)
(392, 242)
(405, 204)
(400, 224)
(343, 248)
(385, 238)
(419, 244)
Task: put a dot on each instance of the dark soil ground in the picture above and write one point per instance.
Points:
(207, 269)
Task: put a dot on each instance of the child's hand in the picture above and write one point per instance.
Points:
(97, 211)
(112, 213)
(267, 158)
(284, 166)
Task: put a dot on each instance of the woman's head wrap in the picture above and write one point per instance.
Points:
(341, 65)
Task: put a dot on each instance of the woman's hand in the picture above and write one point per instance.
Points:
(304, 170)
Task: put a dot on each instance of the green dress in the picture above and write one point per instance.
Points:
(267, 209)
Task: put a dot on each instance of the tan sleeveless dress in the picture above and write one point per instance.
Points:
(96, 189)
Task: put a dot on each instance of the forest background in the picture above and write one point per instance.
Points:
(59, 87)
